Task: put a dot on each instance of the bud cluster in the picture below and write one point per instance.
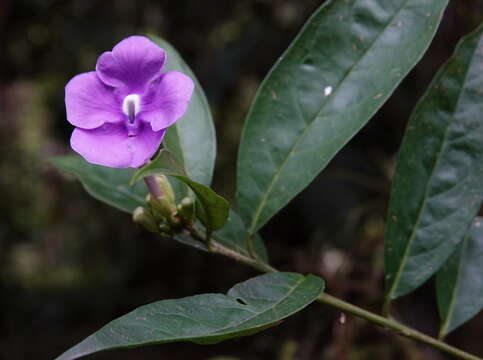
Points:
(162, 215)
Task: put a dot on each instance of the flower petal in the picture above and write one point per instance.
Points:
(90, 103)
(131, 64)
(167, 100)
(144, 145)
(110, 145)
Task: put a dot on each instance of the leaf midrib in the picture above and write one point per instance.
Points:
(259, 209)
(436, 165)
(282, 299)
(219, 332)
(452, 303)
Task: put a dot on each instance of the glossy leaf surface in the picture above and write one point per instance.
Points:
(341, 68)
(248, 307)
(192, 138)
(211, 209)
(108, 185)
(459, 284)
(438, 185)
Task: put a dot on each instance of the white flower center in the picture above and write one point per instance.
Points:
(131, 105)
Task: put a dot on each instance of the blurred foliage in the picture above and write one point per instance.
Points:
(69, 264)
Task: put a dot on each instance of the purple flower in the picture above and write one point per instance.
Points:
(121, 110)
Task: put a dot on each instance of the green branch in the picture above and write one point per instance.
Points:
(395, 326)
(327, 299)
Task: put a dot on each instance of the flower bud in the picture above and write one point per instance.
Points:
(144, 218)
(162, 206)
(165, 187)
(165, 230)
(186, 210)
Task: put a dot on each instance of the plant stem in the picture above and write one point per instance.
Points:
(386, 311)
(394, 325)
(327, 299)
(250, 245)
(218, 248)
(385, 322)
(209, 240)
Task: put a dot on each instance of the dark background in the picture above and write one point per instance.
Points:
(69, 264)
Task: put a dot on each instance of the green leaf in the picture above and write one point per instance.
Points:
(111, 186)
(192, 138)
(341, 68)
(106, 184)
(212, 209)
(163, 163)
(438, 185)
(249, 307)
(459, 283)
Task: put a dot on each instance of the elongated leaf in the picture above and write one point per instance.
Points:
(192, 138)
(438, 185)
(341, 68)
(249, 307)
(212, 209)
(111, 186)
(459, 284)
(108, 185)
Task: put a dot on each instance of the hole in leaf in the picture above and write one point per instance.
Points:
(241, 301)
(308, 60)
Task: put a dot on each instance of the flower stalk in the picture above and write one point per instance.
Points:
(153, 186)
